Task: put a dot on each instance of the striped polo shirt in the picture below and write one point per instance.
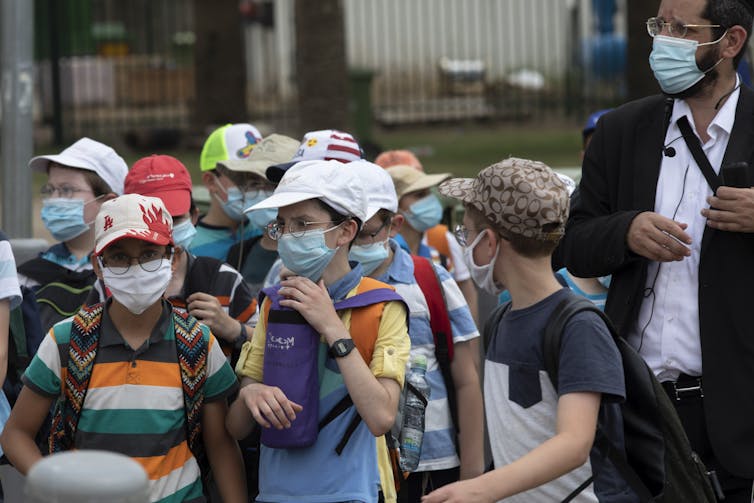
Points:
(134, 403)
(438, 446)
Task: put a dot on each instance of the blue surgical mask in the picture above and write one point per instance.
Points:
(64, 218)
(259, 218)
(424, 213)
(307, 255)
(235, 205)
(673, 61)
(369, 256)
(183, 234)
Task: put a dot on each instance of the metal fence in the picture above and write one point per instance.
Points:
(110, 68)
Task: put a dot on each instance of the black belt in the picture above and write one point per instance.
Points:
(684, 387)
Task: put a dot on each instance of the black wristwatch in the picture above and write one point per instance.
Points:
(341, 348)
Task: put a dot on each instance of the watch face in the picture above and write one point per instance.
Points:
(340, 347)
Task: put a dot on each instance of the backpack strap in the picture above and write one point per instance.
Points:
(490, 326)
(564, 311)
(192, 350)
(439, 321)
(82, 351)
(557, 322)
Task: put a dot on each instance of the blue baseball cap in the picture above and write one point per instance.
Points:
(591, 122)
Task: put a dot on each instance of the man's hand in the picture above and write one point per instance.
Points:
(314, 303)
(269, 406)
(732, 209)
(207, 309)
(658, 238)
(459, 492)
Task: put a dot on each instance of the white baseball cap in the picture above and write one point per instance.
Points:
(132, 216)
(89, 155)
(331, 181)
(381, 191)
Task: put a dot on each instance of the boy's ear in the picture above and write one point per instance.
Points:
(174, 260)
(348, 232)
(209, 179)
(395, 226)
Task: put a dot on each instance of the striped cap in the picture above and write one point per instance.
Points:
(324, 145)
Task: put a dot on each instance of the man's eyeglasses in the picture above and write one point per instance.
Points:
(295, 228)
(65, 191)
(677, 29)
(461, 234)
(119, 263)
(366, 237)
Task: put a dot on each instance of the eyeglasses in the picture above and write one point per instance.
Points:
(461, 234)
(655, 25)
(64, 191)
(366, 237)
(295, 228)
(119, 263)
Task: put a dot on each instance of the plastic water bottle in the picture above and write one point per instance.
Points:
(412, 431)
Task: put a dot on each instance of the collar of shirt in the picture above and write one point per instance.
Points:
(723, 121)
(401, 269)
(110, 336)
(61, 255)
(340, 288)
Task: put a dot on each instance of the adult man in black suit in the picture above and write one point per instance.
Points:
(682, 259)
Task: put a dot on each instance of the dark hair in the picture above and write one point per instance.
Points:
(99, 186)
(338, 218)
(729, 13)
(526, 247)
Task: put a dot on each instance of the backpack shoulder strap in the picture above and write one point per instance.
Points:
(201, 274)
(192, 350)
(557, 322)
(490, 326)
(366, 307)
(82, 351)
(439, 320)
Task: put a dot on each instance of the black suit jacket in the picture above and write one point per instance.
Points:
(619, 180)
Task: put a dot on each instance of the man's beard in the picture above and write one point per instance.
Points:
(708, 61)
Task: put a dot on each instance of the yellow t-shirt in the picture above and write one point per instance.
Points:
(389, 358)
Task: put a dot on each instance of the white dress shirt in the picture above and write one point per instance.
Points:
(667, 329)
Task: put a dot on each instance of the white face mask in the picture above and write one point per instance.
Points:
(138, 289)
(482, 275)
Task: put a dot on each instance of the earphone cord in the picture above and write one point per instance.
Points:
(651, 290)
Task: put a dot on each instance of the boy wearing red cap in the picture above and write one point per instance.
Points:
(210, 290)
(133, 375)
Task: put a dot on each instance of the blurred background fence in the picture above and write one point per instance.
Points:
(116, 70)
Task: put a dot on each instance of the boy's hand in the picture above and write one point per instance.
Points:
(207, 309)
(458, 492)
(314, 303)
(269, 406)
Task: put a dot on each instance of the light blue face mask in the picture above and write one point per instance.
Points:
(424, 213)
(307, 255)
(259, 218)
(369, 256)
(183, 234)
(673, 61)
(235, 204)
(64, 218)
(605, 280)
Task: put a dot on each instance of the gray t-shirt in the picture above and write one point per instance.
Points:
(521, 402)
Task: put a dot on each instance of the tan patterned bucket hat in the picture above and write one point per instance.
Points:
(518, 196)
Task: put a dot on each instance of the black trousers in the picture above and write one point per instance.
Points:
(420, 483)
(690, 408)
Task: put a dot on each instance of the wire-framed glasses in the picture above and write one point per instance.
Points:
(119, 263)
(677, 29)
(295, 228)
